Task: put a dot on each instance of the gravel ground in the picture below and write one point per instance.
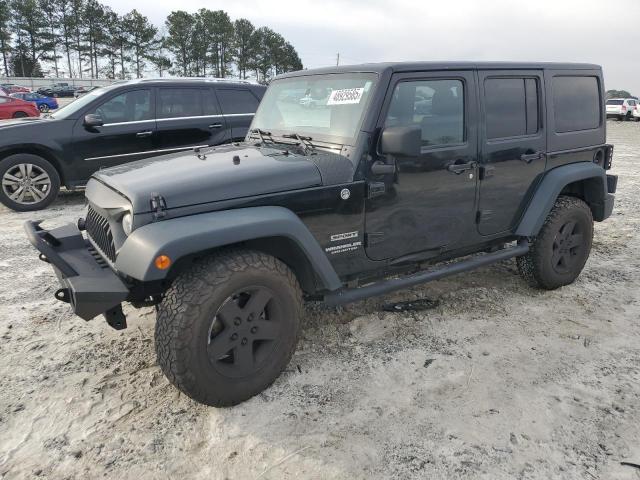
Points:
(499, 381)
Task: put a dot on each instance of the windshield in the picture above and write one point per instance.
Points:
(615, 102)
(71, 109)
(327, 108)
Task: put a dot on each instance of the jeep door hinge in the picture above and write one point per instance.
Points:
(376, 189)
(158, 206)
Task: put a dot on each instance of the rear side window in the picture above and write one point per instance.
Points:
(237, 101)
(179, 102)
(511, 107)
(576, 103)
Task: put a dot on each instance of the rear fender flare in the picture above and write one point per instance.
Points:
(552, 185)
(189, 235)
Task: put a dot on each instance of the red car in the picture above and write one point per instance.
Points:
(16, 108)
(13, 88)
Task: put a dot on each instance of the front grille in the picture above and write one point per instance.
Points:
(99, 231)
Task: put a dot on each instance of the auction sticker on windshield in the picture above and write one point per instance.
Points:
(345, 96)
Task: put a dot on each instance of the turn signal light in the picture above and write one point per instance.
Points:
(162, 262)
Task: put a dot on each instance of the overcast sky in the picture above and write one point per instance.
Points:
(606, 32)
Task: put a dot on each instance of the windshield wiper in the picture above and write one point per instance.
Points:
(262, 134)
(305, 142)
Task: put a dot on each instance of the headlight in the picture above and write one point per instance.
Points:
(127, 223)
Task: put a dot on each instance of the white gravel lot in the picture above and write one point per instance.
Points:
(522, 383)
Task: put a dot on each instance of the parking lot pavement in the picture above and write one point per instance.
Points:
(498, 381)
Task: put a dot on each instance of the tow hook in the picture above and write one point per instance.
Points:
(115, 318)
(62, 294)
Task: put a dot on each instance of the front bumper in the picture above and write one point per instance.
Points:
(88, 284)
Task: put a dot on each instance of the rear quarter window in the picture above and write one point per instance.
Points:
(576, 103)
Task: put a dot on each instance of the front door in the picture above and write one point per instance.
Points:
(429, 202)
(127, 134)
(513, 146)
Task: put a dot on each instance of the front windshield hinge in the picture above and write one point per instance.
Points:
(158, 206)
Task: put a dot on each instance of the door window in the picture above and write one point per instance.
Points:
(436, 106)
(237, 101)
(511, 107)
(576, 103)
(130, 106)
(179, 102)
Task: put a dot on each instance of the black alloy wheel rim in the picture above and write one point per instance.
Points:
(244, 332)
(44, 107)
(568, 246)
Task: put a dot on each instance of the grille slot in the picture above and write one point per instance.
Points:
(99, 231)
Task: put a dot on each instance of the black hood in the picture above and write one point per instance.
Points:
(221, 173)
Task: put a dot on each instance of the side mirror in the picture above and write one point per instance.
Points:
(401, 141)
(93, 120)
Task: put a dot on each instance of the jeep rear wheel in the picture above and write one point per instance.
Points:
(559, 252)
(228, 326)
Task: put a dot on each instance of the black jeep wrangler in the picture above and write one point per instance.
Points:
(396, 169)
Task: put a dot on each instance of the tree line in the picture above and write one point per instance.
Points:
(619, 94)
(86, 39)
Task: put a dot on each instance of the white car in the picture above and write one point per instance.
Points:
(622, 108)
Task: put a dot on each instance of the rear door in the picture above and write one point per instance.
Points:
(513, 145)
(127, 133)
(188, 117)
(238, 106)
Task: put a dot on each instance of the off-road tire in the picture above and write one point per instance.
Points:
(537, 266)
(185, 317)
(10, 162)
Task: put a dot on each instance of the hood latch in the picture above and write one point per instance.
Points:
(158, 206)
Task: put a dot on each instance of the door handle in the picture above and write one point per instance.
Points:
(215, 125)
(530, 157)
(458, 168)
(146, 133)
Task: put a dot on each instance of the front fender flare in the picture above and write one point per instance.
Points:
(551, 186)
(183, 236)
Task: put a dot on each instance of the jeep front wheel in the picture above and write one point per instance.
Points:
(228, 326)
(559, 252)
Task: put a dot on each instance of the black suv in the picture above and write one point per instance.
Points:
(117, 124)
(395, 169)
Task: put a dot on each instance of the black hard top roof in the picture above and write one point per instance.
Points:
(426, 66)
